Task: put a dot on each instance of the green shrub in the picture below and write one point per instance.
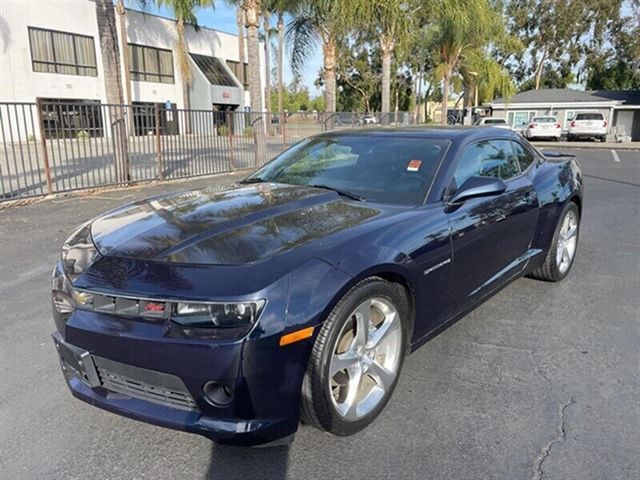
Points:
(82, 135)
(223, 130)
(248, 132)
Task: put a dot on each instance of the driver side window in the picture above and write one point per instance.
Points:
(487, 158)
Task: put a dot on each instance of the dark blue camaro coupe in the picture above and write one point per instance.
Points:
(298, 292)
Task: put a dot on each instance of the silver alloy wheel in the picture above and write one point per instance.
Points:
(567, 241)
(365, 358)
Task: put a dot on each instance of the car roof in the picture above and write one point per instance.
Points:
(457, 133)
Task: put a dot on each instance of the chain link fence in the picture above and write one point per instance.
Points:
(59, 146)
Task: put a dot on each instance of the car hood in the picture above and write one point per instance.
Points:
(240, 225)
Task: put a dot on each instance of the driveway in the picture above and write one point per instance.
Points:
(542, 381)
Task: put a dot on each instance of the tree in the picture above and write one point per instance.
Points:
(558, 32)
(296, 99)
(391, 22)
(252, 10)
(280, 7)
(241, 38)
(183, 11)
(124, 49)
(327, 20)
(618, 66)
(358, 75)
(462, 29)
(266, 22)
(108, 36)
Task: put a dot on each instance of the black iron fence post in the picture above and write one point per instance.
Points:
(45, 154)
(158, 143)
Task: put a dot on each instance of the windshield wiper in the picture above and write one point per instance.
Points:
(253, 180)
(343, 193)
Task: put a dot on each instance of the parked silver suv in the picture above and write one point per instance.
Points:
(588, 125)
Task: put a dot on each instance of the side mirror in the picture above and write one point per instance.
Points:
(477, 187)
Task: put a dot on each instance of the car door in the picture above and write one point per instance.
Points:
(490, 236)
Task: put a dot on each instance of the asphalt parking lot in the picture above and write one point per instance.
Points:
(542, 381)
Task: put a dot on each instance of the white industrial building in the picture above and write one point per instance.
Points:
(50, 51)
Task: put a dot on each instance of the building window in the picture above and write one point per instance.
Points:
(520, 119)
(235, 69)
(145, 115)
(149, 64)
(214, 70)
(60, 52)
(71, 118)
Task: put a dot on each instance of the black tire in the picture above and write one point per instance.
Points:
(549, 271)
(317, 408)
(570, 138)
(603, 138)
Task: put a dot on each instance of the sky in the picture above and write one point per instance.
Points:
(223, 17)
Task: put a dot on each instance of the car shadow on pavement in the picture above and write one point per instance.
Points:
(245, 462)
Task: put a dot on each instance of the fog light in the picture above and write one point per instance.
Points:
(217, 394)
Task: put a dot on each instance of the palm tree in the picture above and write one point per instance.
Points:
(124, 48)
(241, 38)
(183, 11)
(252, 10)
(462, 28)
(280, 7)
(108, 36)
(391, 21)
(327, 20)
(280, 26)
(266, 25)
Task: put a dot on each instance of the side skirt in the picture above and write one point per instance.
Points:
(436, 331)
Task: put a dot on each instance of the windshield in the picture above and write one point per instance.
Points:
(386, 169)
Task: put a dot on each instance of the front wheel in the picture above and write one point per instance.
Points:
(562, 252)
(356, 358)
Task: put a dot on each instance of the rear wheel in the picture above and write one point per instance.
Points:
(562, 252)
(356, 359)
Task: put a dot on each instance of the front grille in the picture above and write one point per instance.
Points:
(156, 387)
(154, 310)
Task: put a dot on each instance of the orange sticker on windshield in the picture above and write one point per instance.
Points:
(414, 165)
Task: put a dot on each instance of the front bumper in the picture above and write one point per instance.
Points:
(130, 368)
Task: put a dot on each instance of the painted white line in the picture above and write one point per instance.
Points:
(616, 158)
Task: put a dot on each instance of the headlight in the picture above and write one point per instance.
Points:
(61, 291)
(78, 252)
(221, 315)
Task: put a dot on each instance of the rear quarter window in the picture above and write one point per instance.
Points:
(525, 158)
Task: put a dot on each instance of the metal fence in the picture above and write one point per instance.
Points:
(59, 146)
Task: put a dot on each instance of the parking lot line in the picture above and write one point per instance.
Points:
(616, 158)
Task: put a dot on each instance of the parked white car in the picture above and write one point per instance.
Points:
(492, 122)
(588, 125)
(368, 119)
(546, 126)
